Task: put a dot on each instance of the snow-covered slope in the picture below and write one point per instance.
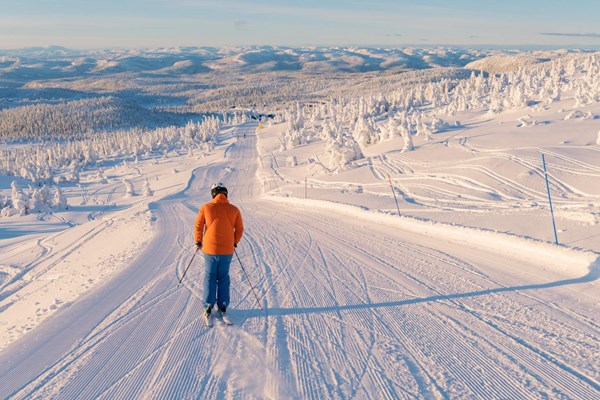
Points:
(502, 63)
(398, 231)
(466, 152)
(354, 308)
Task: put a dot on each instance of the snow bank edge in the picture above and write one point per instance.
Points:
(562, 259)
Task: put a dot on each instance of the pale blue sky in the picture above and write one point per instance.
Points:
(160, 23)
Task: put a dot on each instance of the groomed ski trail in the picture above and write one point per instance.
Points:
(352, 311)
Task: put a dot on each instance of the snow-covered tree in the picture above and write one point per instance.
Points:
(7, 211)
(425, 131)
(5, 208)
(20, 201)
(40, 199)
(74, 175)
(365, 133)
(389, 130)
(342, 150)
(60, 200)
(408, 142)
(291, 161)
(496, 105)
(327, 132)
(129, 189)
(147, 190)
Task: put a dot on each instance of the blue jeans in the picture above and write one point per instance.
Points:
(216, 280)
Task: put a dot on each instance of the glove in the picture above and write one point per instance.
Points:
(199, 245)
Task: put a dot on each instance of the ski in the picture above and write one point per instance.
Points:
(225, 318)
(208, 320)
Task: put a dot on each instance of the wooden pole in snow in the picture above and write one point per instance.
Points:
(549, 199)
(394, 193)
(305, 188)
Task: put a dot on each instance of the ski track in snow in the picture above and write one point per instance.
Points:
(351, 311)
(455, 195)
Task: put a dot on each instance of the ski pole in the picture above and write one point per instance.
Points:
(186, 269)
(248, 278)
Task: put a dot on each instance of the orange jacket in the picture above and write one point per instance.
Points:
(218, 226)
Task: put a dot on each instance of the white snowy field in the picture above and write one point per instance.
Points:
(486, 174)
(383, 270)
(357, 304)
(50, 258)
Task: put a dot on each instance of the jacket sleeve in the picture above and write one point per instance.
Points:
(239, 228)
(199, 226)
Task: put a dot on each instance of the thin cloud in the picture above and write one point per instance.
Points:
(266, 7)
(589, 35)
(393, 35)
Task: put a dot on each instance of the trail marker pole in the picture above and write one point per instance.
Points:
(394, 193)
(549, 199)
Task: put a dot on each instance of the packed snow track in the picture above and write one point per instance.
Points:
(351, 311)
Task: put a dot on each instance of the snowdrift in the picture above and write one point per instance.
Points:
(570, 262)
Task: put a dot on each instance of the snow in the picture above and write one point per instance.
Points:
(30, 64)
(542, 255)
(101, 232)
(499, 63)
(459, 292)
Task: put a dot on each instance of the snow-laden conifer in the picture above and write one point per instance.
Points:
(147, 190)
(129, 188)
(425, 131)
(20, 201)
(36, 202)
(408, 142)
(60, 200)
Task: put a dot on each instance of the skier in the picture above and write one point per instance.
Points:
(217, 231)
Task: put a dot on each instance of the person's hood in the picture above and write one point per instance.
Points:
(220, 198)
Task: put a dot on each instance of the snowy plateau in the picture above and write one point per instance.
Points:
(420, 223)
